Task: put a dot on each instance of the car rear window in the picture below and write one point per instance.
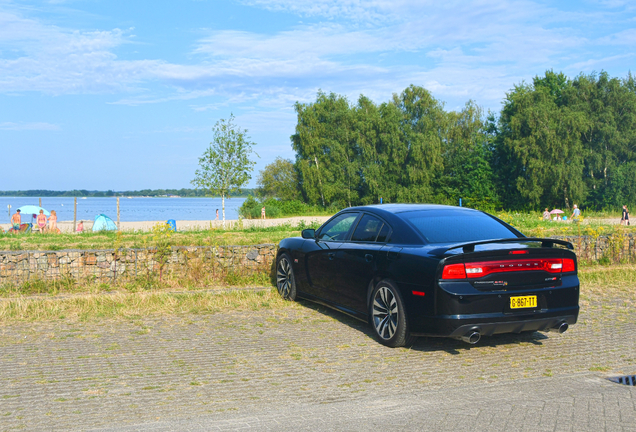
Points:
(456, 227)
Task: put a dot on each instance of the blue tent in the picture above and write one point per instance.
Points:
(104, 223)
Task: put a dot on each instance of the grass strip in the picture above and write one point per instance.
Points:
(135, 305)
(145, 239)
(616, 282)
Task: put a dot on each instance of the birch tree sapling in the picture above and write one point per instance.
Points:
(225, 165)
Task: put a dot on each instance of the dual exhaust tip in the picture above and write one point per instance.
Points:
(560, 328)
(473, 336)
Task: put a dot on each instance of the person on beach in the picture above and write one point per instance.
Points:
(625, 217)
(546, 215)
(263, 213)
(575, 214)
(217, 214)
(16, 220)
(53, 222)
(80, 227)
(41, 221)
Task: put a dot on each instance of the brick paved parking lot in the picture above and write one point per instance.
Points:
(233, 370)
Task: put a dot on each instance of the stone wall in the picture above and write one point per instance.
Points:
(108, 264)
(614, 248)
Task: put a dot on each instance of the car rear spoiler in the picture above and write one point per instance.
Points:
(470, 247)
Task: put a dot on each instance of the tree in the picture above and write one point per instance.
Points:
(225, 165)
(540, 137)
(609, 107)
(326, 152)
(466, 151)
(416, 156)
(279, 179)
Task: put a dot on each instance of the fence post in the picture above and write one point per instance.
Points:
(74, 213)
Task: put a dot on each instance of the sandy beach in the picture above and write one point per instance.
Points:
(184, 225)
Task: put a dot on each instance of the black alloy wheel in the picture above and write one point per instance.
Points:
(285, 282)
(388, 316)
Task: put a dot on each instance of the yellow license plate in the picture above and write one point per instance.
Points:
(523, 302)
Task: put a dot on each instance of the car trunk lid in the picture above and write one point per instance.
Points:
(510, 265)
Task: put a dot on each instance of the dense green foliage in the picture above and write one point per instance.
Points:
(556, 142)
(278, 179)
(275, 208)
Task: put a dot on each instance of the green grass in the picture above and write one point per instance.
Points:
(129, 306)
(198, 277)
(531, 224)
(127, 239)
(595, 224)
(617, 278)
(600, 285)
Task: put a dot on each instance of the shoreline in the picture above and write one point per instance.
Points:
(186, 225)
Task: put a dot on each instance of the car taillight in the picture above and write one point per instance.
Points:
(568, 265)
(454, 271)
(481, 269)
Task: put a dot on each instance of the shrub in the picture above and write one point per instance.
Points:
(250, 205)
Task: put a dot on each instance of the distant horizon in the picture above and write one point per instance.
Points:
(150, 193)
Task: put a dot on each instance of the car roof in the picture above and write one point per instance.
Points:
(401, 208)
(403, 232)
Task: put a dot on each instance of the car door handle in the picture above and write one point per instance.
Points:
(331, 255)
(368, 257)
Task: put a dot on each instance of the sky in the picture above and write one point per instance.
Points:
(123, 95)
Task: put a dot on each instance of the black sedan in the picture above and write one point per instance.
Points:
(431, 270)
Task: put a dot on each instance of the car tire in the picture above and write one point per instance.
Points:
(285, 280)
(388, 316)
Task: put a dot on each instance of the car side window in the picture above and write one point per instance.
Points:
(384, 234)
(367, 229)
(337, 228)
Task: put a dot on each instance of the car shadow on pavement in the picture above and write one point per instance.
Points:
(454, 346)
(433, 344)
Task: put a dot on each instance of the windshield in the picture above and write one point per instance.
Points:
(457, 227)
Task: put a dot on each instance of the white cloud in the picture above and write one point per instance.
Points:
(597, 63)
(359, 10)
(49, 59)
(625, 37)
(457, 49)
(23, 126)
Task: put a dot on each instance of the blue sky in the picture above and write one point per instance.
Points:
(107, 94)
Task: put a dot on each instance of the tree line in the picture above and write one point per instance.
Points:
(556, 141)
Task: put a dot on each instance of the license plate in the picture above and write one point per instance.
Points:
(523, 302)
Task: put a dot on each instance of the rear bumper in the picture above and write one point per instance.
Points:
(458, 326)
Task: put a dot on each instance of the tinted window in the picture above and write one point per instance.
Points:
(455, 226)
(367, 229)
(337, 228)
(384, 233)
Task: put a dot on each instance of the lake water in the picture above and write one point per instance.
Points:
(131, 209)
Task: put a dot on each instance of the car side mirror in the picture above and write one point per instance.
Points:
(309, 234)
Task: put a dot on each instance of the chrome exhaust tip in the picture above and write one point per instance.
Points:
(560, 328)
(471, 337)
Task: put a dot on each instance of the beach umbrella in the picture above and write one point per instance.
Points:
(557, 211)
(34, 210)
